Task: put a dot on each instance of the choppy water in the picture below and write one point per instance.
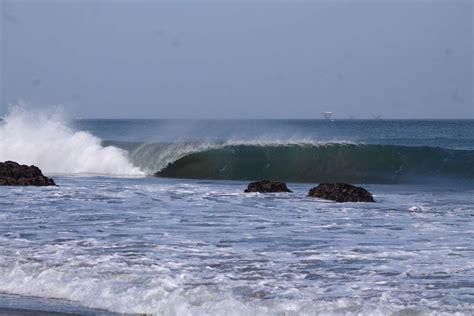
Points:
(125, 242)
(188, 247)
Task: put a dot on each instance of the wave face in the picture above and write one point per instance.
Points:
(357, 163)
(44, 140)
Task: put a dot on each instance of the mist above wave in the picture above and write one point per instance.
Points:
(154, 157)
(42, 138)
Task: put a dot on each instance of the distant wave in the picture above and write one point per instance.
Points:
(301, 161)
(43, 139)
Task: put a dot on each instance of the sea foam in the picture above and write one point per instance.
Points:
(42, 138)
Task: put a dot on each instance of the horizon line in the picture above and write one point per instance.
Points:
(275, 119)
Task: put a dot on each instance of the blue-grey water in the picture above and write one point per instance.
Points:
(127, 242)
(453, 134)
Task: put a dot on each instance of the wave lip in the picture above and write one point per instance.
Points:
(44, 140)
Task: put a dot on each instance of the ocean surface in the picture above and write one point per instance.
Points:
(149, 217)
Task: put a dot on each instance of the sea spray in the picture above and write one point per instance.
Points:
(42, 138)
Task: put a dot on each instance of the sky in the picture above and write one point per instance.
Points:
(239, 59)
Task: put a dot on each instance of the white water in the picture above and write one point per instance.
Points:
(166, 247)
(43, 139)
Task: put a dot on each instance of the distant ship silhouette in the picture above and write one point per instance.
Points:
(327, 115)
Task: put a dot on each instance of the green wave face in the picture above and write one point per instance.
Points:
(325, 163)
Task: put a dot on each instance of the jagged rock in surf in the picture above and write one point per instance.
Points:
(341, 192)
(12, 173)
(266, 186)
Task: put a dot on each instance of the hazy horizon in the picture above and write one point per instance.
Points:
(239, 60)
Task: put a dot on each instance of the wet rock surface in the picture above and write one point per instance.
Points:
(12, 173)
(266, 186)
(341, 192)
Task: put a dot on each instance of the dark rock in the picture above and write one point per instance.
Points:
(259, 294)
(266, 186)
(341, 192)
(12, 173)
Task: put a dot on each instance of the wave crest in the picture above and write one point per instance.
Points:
(44, 140)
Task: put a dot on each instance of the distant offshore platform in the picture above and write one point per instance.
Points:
(327, 115)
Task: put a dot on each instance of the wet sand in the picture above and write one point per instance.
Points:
(16, 305)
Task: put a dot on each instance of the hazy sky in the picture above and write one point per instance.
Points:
(240, 59)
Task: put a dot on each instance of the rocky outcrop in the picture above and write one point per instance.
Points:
(12, 173)
(266, 186)
(341, 192)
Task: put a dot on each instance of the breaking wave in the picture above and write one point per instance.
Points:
(301, 162)
(44, 140)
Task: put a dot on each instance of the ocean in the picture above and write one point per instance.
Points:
(149, 217)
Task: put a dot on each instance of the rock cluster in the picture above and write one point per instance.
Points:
(341, 192)
(12, 173)
(266, 186)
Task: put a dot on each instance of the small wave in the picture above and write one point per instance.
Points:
(144, 286)
(44, 140)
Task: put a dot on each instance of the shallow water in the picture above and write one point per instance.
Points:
(182, 247)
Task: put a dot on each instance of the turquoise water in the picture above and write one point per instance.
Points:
(113, 238)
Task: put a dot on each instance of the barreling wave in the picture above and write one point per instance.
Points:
(45, 140)
(302, 162)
